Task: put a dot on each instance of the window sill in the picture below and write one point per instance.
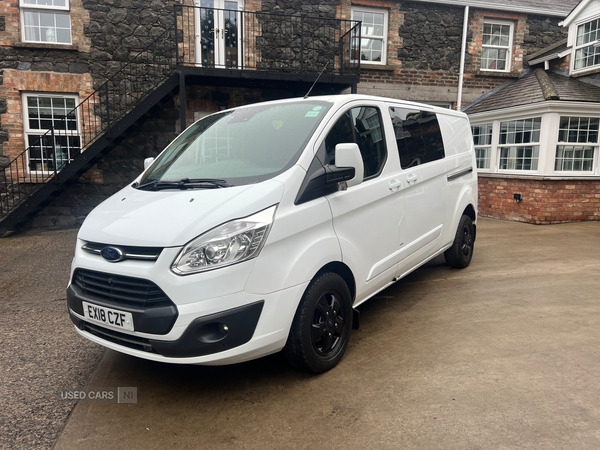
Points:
(40, 45)
(586, 71)
(530, 176)
(493, 73)
(381, 67)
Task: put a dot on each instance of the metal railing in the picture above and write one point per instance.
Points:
(96, 115)
(226, 39)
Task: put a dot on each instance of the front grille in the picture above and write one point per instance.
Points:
(134, 342)
(119, 289)
(129, 252)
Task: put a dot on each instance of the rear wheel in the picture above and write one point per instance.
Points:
(321, 327)
(460, 254)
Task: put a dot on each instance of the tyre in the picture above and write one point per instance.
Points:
(460, 254)
(321, 328)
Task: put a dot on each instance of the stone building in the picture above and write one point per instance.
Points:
(138, 71)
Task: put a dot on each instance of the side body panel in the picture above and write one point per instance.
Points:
(368, 219)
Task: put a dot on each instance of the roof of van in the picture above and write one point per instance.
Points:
(345, 98)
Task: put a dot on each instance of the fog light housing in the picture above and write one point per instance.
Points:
(212, 332)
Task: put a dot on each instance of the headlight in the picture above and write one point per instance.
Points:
(230, 243)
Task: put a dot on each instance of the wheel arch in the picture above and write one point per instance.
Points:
(343, 271)
(470, 211)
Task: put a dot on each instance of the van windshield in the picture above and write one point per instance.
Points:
(240, 146)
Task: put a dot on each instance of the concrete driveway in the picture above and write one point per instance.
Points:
(503, 354)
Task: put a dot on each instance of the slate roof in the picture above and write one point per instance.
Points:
(535, 87)
(550, 52)
(551, 7)
(573, 90)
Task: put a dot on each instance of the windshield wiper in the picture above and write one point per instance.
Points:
(184, 183)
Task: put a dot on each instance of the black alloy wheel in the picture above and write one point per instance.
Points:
(320, 330)
(460, 254)
(328, 323)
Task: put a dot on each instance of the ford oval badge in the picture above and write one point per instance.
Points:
(112, 254)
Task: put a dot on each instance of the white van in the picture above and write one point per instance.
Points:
(261, 228)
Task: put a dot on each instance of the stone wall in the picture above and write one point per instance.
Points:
(431, 37)
(545, 201)
(120, 29)
(314, 8)
(295, 38)
(543, 31)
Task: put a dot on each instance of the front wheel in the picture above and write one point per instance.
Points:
(460, 254)
(321, 327)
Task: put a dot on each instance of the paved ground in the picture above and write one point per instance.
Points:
(504, 354)
(39, 353)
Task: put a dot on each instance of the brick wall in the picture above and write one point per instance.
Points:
(11, 34)
(521, 28)
(16, 81)
(395, 21)
(544, 201)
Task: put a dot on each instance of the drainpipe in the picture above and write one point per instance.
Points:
(463, 51)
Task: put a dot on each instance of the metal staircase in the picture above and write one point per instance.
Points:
(103, 116)
(27, 186)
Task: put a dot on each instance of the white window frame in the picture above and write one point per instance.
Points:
(27, 7)
(489, 146)
(560, 143)
(384, 37)
(508, 49)
(576, 47)
(40, 132)
(537, 144)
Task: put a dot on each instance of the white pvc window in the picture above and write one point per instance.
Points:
(43, 112)
(496, 46)
(587, 47)
(373, 35)
(519, 144)
(577, 137)
(482, 138)
(46, 21)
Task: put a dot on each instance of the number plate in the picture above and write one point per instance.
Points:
(108, 316)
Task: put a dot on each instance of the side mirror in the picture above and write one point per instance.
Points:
(348, 156)
(148, 162)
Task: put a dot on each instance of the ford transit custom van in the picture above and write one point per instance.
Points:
(262, 228)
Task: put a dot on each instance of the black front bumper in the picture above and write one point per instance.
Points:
(152, 319)
(204, 336)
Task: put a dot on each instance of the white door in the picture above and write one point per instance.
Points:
(424, 183)
(368, 218)
(218, 40)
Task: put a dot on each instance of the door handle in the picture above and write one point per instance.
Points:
(394, 185)
(411, 178)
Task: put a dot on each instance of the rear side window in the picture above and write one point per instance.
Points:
(362, 126)
(418, 136)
